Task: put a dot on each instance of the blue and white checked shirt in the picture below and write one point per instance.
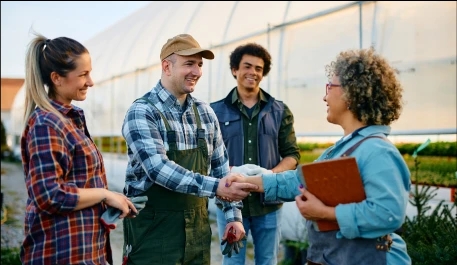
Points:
(146, 136)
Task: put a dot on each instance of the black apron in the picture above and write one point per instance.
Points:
(173, 228)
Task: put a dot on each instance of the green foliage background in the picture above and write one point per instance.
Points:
(436, 169)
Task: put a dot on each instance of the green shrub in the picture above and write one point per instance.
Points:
(446, 149)
(430, 238)
(10, 256)
(113, 144)
(435, 170)
(433, 149)
(306, 146)
(308, 157)
(107, 144)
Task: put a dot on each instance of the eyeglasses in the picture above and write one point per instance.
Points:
(328, 86)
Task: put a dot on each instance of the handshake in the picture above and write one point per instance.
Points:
(235, 187)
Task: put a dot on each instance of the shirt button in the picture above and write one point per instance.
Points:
(250, 159)
(249, 141)
(249, 124)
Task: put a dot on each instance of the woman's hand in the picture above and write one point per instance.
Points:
(312, 208)
(121, 202)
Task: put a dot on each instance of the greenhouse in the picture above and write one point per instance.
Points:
(418, 38)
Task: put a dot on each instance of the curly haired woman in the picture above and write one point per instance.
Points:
(364, 97)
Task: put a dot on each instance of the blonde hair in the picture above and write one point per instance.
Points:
(35, 93)
(43, 57)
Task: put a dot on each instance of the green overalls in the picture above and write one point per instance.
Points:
(173, 228)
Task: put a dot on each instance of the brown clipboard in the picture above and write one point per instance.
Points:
(334, 182)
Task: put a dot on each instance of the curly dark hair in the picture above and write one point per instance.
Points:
(253, 49)
(370, 86)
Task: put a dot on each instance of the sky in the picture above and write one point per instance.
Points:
(80, 20)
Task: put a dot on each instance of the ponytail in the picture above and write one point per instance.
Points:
(45, 56)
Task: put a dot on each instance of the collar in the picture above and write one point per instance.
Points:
(169, 99)
(366, 131)
(65, 109)
(374, 129)
(234, 96)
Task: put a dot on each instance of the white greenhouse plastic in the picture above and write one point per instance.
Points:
(418, 37)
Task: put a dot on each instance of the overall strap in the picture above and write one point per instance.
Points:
(352, 148)
(200, 131)
(167, 126)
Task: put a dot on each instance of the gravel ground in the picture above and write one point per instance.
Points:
(14, 200)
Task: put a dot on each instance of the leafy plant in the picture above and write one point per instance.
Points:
(10, 256)
(306, 146)
(433, 149)
(430, 238)
(435, 170)
(308, 157)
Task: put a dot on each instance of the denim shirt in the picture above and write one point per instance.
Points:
(386, 179)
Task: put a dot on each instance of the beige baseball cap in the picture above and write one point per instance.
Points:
(185, 45)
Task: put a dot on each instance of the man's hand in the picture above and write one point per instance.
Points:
(237, 229)
(237, 191)
(236, 178)
(234, 233)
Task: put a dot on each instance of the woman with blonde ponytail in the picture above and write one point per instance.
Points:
(64, 171)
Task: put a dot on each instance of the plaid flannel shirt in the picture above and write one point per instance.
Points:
(146, 137)
(58, 158)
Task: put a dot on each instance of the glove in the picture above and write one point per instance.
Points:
(230, 244)
(110, 217)
(250, 170)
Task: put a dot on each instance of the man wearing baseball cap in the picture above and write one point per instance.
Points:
(177, 159)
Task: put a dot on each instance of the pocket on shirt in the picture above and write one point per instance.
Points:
(230, 126)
